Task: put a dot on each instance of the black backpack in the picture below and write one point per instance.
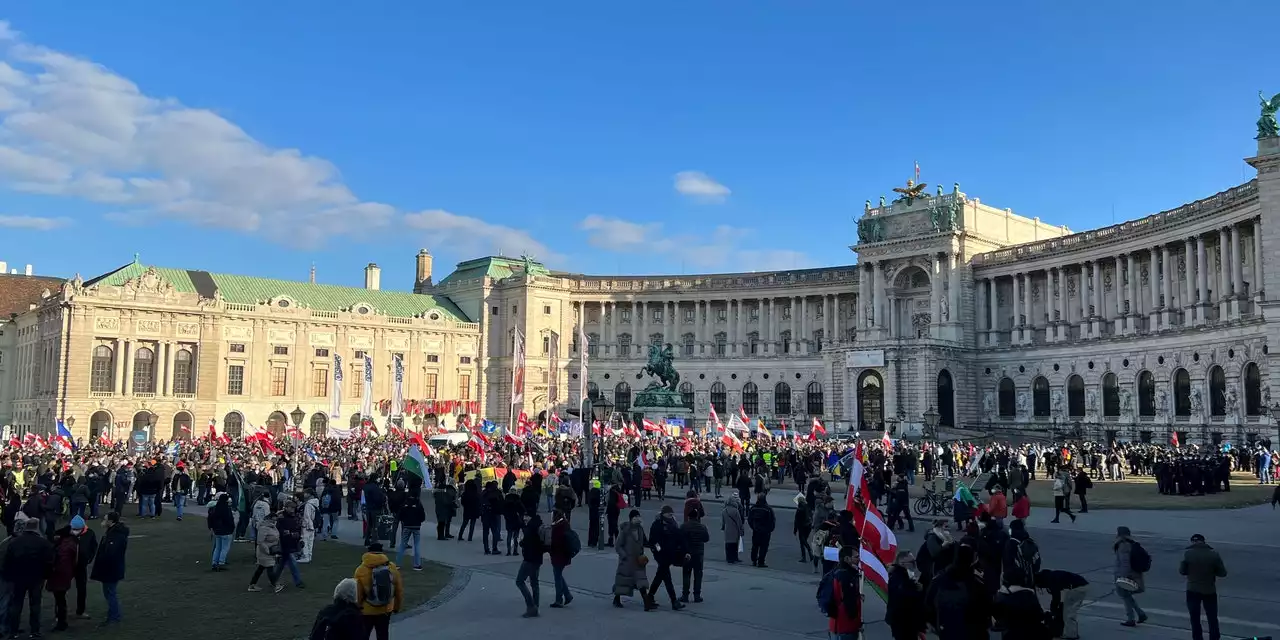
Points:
(1139, 559)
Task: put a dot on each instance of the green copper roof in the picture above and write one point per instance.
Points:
(323, 297)
(495, 268)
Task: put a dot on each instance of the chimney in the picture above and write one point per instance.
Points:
(372, 277)
(423, 278)
(28, 270)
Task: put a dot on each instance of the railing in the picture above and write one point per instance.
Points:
(1127, 229)
(144, 394)
(235, 306)
(184, 396)
(102, 394)
(394, 320)
(331, 315)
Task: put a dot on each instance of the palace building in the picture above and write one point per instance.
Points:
(956, 313)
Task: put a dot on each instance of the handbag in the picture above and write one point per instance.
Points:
(642, 561)
(1126, 584)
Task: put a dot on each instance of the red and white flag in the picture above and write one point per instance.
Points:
(742, 413)
(730, 440)
(816, 429)
(884, 440)
(714, 419)
(650, 425)
(643, 459)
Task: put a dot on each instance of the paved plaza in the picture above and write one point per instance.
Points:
(745, 602)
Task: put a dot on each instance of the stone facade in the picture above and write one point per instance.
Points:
(992, 320)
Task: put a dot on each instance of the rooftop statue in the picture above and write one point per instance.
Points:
(1267, 127)
(911, 192)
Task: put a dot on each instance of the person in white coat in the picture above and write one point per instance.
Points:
(310, 507)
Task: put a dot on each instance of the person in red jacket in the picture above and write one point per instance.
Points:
(66, 551)
(844, 612)
(998, 506)
(561, 557)
(1022, 507)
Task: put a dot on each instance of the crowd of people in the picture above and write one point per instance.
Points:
(284, 498)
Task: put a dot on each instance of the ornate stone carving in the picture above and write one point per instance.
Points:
(147, 326)
(988, 404)
(186, 329)
(148, 283)
(1023, 402)
(237, 332)
(109, 324)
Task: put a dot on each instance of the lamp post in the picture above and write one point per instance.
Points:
(931, 422)
(1275, 416)
(295, 437)
(600, 408)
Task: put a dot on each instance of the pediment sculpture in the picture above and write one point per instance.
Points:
(149, 283)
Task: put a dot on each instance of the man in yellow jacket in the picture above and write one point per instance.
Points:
(381, 590)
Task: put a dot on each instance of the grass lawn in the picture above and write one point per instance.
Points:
(1140, 493)
(169, 589)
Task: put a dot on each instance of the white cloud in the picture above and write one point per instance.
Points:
(73, 128)
(33, 223)
(466, 235)
(719, 249)
(700, 186)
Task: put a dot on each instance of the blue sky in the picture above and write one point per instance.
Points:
(602, 137)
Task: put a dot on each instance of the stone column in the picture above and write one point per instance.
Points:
(1099, 300)
(805, 330)
(165, 365)
(980, 313)
(743, 310)
(1117, 288)
(1189, 299)
(1135, 293)
(879, 304)
(993, 313)
(795, 327)
(1153, 282)
(770, 335)
(122, 351)
(1224, 276)
(1202, 275)
(128, 368)
(705, 326)
(935, 295)
(1063, 306)
(1166, 287)
(1237, 272)
(1256, 290)
(1016, 307)
(1029, 330)
(1082, 292)
(954, 266)
(890, 387)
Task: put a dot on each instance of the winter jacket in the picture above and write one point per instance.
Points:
(1202, 566)
(364, 582)
(28, 558)
(65, 556)
(109, 565)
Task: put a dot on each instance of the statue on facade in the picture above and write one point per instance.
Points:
(946, 310)
(1232, 401)
(1126, 403)
(1197, 405)
(1266, 396)
(1022, 403)
(660, 367)
(1163, 402)
(988, 404)
(1057, 402)
(911, 192)
(870, 229)
(1267, 127)
(1091, 402)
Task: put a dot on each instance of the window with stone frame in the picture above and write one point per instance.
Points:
(782, 399)
(184, 372)
(751, 399)
(102, 376)
(719, 398)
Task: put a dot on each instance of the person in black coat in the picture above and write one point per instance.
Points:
(222, 524)
(27, 561)
(904, 611)
(88, 550)
(341, 619)
(1082, 485)
(513, 518)
(669, 550)
(108, 567)
(411, 516)
(763, 522)
(470, 509)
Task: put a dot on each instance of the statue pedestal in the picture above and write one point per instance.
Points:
(659, 403)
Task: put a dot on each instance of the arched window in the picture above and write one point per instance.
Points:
(782, 399)
(1075, 397)
(1252, 390)
(1007, 401)
(182, 380)
(946, 399)
(1110, 396)
(99, 425)
(181, 426)
(622, 397)
(690, 343)
(655, 339)
(144, 371)
(1146, 394)
(718, 399)
(785, 338)
(1181, 393)
(1040, 397)
(277, 422)
(813, 396)
(142, 422)
(686, 394)
(870, 400)
(233, 426)
(1217, 391)
(319, 425)
(751, 399)
(102, 374)
(593, 391)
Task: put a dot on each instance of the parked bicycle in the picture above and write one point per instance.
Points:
(932, 502)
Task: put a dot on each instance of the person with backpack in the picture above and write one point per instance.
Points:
(411, 516)
(564, 545)
(1021, 558)
(1067, 592)
(839, 599)
(1132, 561)
(340, 619)
(380, 593)
(531, 550)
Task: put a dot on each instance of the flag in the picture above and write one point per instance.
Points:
(879, 544)
(917, 173)
(62, 440)
(884, 440)
(875, 573)
(650, 425)
(511, 438)
(335, 392)
(816, 429)
(1174, 440)
(736, 424)
(517, 371)
(582, 357)
(414, 462)
(213, 429)
(416, 438)
(742, 412)
(642, 460)
(106, 442)
(731, 440)
(784, 428)
(397, 386)
(234, 472)
(761, 431)
(714, 419)
(366, 400)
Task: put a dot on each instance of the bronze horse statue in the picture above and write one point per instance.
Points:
(659, 366)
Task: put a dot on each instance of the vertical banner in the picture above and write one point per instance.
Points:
(517, 371)
(582, 358)
(397, 389)
(366, 399)
(335, 392)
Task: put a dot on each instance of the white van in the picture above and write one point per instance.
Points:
(448, 439)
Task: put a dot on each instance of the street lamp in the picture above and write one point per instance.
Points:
(600, 409)
(295, 437)
(931, 422)
(297, 415)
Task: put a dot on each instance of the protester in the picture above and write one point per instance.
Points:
(1129, 570)
(839, 597)
(904, 609)
(66, 551)
(531, 551)
(561, 553)
(762, 521)
(631, 574)
(27, 561)
(222, 525)
(411, 516)
(109, 564)
(1067, 591)
(696, 537)
(380, 593)
(1202, 566)
(340, 619)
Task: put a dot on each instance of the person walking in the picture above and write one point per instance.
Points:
(88, 541)
(27, 561)
(380, 593)
(1062, 494)
(66, 549)
(668, 549)
(531, 550)
(1132, 561)
(411, 517)
(632, 573)
(109, 565)
(1202, 566)
(290, 531)
(731, 522)
(696, 537)
(762, 521)
(340, 619)
(222, 524)
(561, 555)
(266, 548)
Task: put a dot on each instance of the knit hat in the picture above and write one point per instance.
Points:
(1122, 531)
(77, 523)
